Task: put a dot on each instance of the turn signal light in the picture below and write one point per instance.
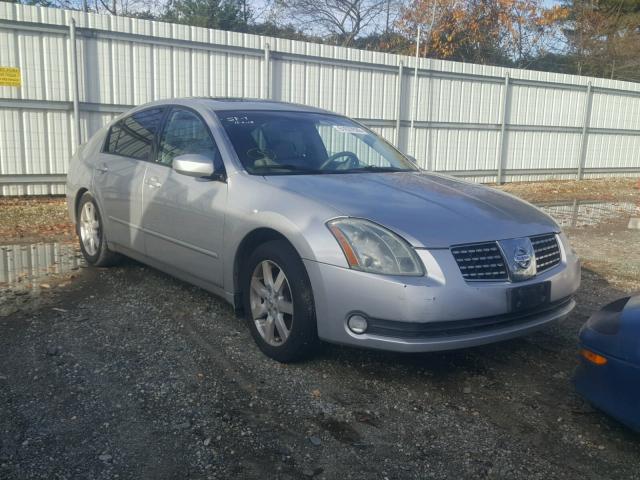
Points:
(593, 357)
(352, 258)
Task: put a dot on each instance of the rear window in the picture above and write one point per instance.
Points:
(133, 136)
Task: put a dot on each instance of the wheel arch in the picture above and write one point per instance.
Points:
(76, 203)
(247, 245)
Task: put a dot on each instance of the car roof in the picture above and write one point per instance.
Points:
(231, 103)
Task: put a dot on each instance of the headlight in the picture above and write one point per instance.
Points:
(372, 248)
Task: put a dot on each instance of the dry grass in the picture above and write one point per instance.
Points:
(605, 190)
(27, 218)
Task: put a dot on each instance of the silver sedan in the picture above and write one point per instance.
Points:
(315, 228)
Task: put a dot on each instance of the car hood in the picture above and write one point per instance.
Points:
(428, 210)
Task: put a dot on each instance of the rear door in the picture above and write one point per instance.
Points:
(120, 170)
(183, 217)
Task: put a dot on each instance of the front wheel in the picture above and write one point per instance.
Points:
(90, 227)
(278, 302)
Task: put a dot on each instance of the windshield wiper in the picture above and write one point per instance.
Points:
(374, 168)
(287, 167)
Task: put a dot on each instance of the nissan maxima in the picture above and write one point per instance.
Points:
(314, 228)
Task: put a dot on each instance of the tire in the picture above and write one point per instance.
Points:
(91, 234)
(292, 294)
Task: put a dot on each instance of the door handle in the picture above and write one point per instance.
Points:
(103, 168)
(153, 182)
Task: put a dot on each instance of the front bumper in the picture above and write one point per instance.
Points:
(419, 308)
(613, 388)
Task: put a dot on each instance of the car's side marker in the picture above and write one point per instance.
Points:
(593, 357)
(352, 259)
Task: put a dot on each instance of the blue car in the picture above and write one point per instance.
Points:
(608, 375)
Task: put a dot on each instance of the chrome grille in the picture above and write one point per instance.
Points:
(480, 261)
(547, 251)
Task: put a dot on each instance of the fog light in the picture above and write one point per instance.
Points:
(357, 324)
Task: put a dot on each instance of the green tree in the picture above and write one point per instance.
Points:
(387, 41)
(604, 37)
(221, 14)
(271, 29)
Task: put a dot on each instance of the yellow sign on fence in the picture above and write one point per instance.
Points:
(10, 77)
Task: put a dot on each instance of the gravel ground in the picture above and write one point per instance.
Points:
(128, 373)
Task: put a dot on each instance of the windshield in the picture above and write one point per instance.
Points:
(278, 143)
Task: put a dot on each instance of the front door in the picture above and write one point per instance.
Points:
(182, 216)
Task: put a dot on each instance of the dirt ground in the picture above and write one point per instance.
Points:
(128, 373)
(603, 190)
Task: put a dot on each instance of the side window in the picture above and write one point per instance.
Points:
(133, 136)
(184, 133)
(114, 134)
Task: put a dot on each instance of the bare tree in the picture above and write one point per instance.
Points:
(342, 20)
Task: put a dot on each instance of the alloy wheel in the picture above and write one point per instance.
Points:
(271, 303)
(90, 229)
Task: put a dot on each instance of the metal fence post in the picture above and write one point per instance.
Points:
(414, 113)
(585, 132)
(502, 146)
(574, 213)
(266, 76)
(398, 104)
(75, 83)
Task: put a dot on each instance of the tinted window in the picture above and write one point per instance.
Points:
(133, 136)
(184, 133)
(272, 142)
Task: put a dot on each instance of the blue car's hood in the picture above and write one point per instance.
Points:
(426, 209)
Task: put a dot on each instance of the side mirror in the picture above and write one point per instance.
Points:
(413, 159)
(193, 165)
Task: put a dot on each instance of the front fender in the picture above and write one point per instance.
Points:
(254, 204)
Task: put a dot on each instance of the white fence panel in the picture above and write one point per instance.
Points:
(476, 121)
